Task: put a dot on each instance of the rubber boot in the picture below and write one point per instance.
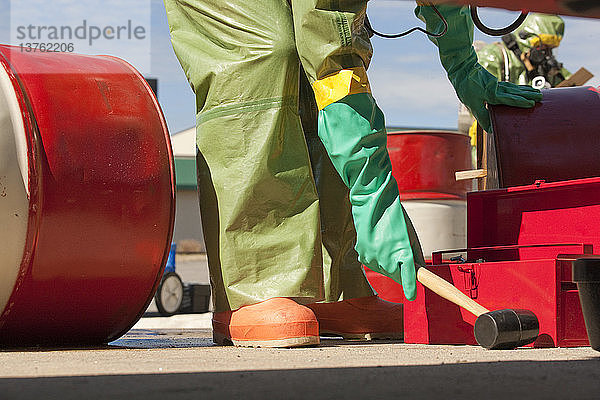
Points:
(277, 322)
(363, 318)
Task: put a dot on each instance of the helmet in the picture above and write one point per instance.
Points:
(548, 28)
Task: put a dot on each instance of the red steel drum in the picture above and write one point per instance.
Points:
(87, 197)
(557, 140)
(424, 163)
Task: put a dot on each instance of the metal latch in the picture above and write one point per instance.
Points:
(471, 281)
(458, 259)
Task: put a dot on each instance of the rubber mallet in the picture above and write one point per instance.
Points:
(494, 330)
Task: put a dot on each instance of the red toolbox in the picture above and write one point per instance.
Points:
(521, 244)
(523, 238)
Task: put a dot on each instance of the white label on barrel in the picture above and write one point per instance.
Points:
(14, 203)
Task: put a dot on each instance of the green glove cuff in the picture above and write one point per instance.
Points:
(353, 132)
(458, 40)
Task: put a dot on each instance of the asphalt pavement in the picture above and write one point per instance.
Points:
(174, 358)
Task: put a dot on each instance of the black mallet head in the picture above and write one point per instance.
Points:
(506, 329)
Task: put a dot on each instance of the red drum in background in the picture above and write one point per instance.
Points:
(95, 169)
(424, 163)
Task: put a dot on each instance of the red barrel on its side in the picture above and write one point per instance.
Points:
(101, 198)
(557, 140)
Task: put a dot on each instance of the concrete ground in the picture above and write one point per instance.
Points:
(173, 358)
(183, 364)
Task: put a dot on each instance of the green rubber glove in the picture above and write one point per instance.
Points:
(353, 132)
(473, 84)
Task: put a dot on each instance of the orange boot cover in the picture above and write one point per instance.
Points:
(277, 322)
(364, 318)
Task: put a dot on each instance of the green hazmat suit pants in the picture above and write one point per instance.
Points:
(276, 216)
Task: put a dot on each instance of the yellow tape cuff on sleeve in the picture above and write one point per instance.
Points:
(339, 85)
(547, 39)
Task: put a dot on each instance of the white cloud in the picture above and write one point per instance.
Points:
(386, 4)
(414, 97)
(409, 58)
(412, 88)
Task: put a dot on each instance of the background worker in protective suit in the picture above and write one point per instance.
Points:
(289, 217)
(522, 56)
(527, 53)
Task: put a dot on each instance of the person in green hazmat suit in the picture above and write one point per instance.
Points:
(290, 213)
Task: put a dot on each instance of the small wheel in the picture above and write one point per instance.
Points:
(169, 295)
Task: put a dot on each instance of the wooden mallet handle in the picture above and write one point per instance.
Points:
(446, 290)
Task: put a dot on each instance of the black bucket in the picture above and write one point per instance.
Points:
(586, 273)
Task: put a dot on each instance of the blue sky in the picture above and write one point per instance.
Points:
(407, 79)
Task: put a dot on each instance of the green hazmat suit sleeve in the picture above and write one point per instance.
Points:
(474, 86)
(335, 51)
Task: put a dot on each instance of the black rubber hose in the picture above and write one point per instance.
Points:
(496, 32)
(399, 35)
